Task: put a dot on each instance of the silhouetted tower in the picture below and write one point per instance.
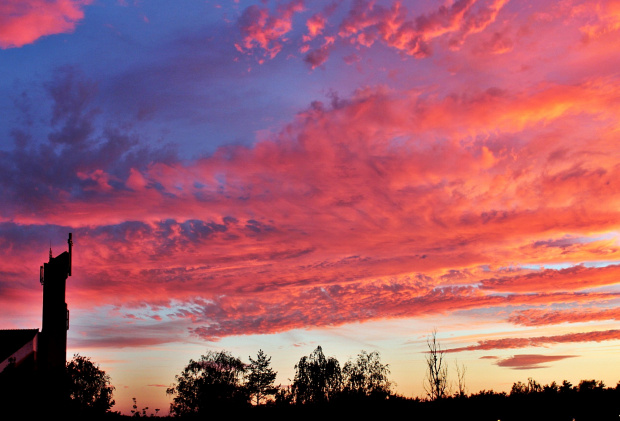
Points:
(52, 356)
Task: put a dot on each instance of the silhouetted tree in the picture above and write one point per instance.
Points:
(366, 376)
(215, 380)
(519, 388)
(436, 382)
(317, 379)
(590, 385)
(460, 376)
(551, 389)
(487, 393)
(260, 378)
(566, 387)
(88, 386)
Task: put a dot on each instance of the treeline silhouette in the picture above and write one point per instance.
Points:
(360, 389)
(218, 383)
(219, 380)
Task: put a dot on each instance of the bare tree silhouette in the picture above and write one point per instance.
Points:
(460, 378)
(436, 381)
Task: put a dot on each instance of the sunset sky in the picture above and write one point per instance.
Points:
(277, 175)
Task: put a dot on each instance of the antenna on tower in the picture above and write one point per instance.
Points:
(70, 241)
(50, 250)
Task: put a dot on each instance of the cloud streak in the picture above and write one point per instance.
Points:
(536, 317)
(538, 341)
(574, 278)
(530, 361)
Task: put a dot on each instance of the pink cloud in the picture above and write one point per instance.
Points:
(497, 43)
(262, 30)
(511, 343)
(315, 25)
(368, 23)
(604, 19)
(381, 205)
(352, 58)
(364, 14)
(316, 58)
(23, 22)
(433, 171)
(126, 335)
(535, 317)
(476, 22)
(446, 27)
(530, 361)
(573, 278)
(269, 308)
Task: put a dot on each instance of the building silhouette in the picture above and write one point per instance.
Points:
(33, 359)
(52, 353)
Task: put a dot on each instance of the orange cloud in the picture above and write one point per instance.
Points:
(24, 21)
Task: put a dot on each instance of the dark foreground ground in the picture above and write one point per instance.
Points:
(601, 406)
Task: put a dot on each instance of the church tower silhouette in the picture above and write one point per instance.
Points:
(52, 356)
